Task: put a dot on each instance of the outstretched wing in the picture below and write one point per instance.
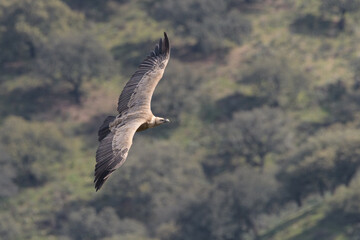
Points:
(138, 91)
(113, 150)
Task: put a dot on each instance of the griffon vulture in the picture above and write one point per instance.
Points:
(116, 133)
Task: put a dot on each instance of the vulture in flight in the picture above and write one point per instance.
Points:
(116, 133)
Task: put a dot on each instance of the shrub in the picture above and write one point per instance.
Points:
(35, 149)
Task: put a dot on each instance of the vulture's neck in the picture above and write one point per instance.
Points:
(155, 121)
(152, 122)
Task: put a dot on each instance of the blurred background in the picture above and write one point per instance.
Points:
(264, 98)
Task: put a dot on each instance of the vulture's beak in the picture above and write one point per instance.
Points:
(167, 120)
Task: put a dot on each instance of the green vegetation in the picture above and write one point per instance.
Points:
(263, 97)
(73, 60)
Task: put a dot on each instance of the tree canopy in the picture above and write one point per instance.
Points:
(72, 61)
(34, 163)
(26, 25)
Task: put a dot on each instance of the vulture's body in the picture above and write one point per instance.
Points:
(116, 133)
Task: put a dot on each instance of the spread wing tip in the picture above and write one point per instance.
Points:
(167, 44)
(100, 178)
(162, 48)
(98, 185)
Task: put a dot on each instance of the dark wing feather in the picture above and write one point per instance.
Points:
(113, 150)
(104, 129)
(157, 59)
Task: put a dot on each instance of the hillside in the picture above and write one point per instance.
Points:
(263, 98)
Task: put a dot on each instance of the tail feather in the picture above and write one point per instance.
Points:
(104, 129)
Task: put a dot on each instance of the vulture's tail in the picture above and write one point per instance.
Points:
(104, 129)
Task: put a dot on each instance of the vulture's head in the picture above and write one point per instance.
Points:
(159, 120)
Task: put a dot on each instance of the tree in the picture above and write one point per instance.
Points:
(8, 187)
(324, 162)
(210, 22)
(211, 31)
(26, 24)
(274, 79)
(346, 202)
(9, 228)
(36, 149)
(355, 64)
(230, 207)
(313, 25)
(87, 224)
(338, 101)
(251, 136)
(341, 7)
(74, 60)
(94, 9)
(230, 104)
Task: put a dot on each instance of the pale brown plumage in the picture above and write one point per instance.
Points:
(134, 107)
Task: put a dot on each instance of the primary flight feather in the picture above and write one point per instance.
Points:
(134, 107)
